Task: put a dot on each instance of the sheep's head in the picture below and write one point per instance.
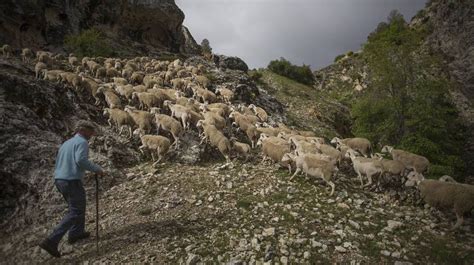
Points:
(167, 103)
(106, 111)
(387, 149)
(155, 110)
(232, 114)
(200, 123)
(281, 135)
(447, 178)
(262, 137)
(287, 158)
(413, 179)
(138, 132)
(351, 153)
(203, 107)
(335, 140)
(378, 156)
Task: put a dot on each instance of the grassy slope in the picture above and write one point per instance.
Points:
(307, 108)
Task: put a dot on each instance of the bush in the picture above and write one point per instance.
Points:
(301, 74)
(339, 57)
(90, 42)
(255, 75)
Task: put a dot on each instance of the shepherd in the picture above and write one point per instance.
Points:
(71, 163)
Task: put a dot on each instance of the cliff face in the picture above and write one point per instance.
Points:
(40, 24)
(452, 26)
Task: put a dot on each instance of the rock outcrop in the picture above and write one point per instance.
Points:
(43, 24)
(36, 116)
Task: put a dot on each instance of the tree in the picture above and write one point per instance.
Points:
(407, 103)
(302, 74)
(205, 46)
(90, 42)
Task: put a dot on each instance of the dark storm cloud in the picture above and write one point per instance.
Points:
(303, 31)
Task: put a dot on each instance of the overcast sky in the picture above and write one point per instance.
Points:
(303, 31)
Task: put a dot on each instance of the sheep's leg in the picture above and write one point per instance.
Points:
(141, 149)
(202, 140)
(130, 131)
(360, 178)
(369, 178)
(298, 170)
(459, 222)
(289, 169)
(121, 130)
(333, 187)
(183, 120)
(159, 157)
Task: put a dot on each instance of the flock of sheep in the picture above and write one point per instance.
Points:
(149, 97)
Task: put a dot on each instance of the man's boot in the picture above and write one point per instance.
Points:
(50, 247)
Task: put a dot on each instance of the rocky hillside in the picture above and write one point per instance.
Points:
(449, 31)
(194, 207)
(145, 25)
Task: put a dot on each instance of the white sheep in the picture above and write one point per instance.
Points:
(360, 145)
(155, 143)
(365, 166)
(274, 149)
(112, 100)
(226, 94)
(259, 112)
(6, 50)
(120, 118)
(179, 112)
(216, 138)
(39, 69)
(170, 125)
(242, 149)
(443, 195)
(143, 119)
(413, 161)
(313, 166)
(26, 55)
(147, 100)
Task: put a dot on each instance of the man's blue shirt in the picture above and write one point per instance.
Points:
(73, 159)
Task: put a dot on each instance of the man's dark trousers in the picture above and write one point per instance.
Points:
(74, 221)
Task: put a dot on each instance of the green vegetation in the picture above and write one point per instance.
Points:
(255, 75)
(301, 74)
(206, 46)
(339, 57)
(407, 103)
(90, 42)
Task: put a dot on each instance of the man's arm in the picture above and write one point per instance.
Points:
(82, 159)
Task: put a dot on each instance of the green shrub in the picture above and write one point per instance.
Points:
(255, 75)
(350, 53)
(90, 42)
(339, 57)
(301, 74)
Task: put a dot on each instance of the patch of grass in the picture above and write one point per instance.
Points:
(441, 251)
(370, 248)
(244, 203)
(145, 211)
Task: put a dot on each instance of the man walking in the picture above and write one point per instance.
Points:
(71, 163)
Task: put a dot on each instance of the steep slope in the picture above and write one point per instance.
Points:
(447, 30)
(307, 108)
(155, 24)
